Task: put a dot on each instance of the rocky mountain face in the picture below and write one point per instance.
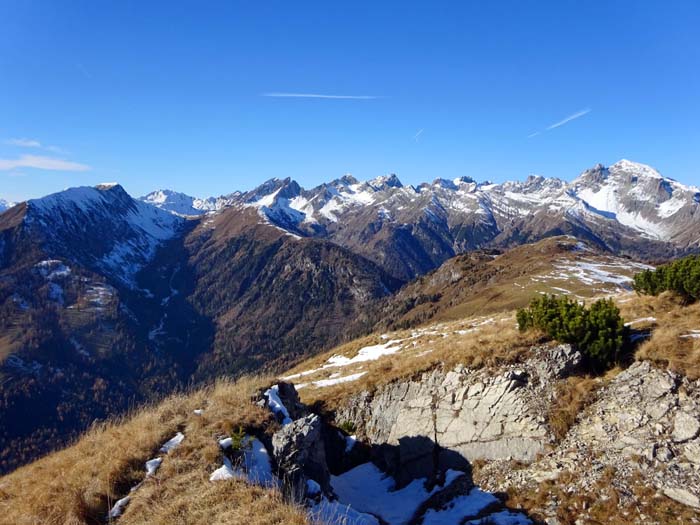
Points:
(100, 228)
(274, 296)
(628, 208)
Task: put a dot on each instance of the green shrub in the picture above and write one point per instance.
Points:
(598, 332)
(347, 426)
(239, 440)
(681, 276)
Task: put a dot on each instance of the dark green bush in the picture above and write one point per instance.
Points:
(598, 332)
(681, 276)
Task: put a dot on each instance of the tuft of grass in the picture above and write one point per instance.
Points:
(666, 346)
(572, 396)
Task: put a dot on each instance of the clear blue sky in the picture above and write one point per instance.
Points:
(172, 94)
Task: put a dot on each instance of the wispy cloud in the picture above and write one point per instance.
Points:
(24, 143)
(571, 117)
(563, 121)
(319, 95)
(31, 143)
(41, 163)
(417, 135)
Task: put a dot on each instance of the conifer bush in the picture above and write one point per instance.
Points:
(681, 276)
(598, 332)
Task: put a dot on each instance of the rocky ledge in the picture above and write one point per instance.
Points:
(472, 414)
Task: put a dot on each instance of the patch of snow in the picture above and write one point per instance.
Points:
(172, 443)
(368, 353)
(118, 508)
(152, 466)
(504, 517)
(335, 513)
(312, 488)
(256, 462)
(226, 443)
(159, 330)
(367, 489)
(53, 269)
(275, 404)
(78, 347)
(345, 379)
(198, 411)
(641, 320)
(350, 443)
(563, 290)
(459, 508)
(224, 472)
(256, 466)
(672, 206)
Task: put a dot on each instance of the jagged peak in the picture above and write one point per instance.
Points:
(385, 181)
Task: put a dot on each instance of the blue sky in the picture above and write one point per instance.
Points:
(173, 94)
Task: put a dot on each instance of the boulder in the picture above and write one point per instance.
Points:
(685, 427)
(682, 496)
(299, 452)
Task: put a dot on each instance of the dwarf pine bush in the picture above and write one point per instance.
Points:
(598, 332)
(681, 276)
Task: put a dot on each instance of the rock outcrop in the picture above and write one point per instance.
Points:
(468, 414)
(643, 426)
(299, 451)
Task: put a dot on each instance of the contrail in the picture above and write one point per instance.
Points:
(319, 95)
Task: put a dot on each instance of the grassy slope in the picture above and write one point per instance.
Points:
(479, 283)
(78, 484)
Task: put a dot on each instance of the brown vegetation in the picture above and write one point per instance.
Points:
(671, 344)
(605, 502)
(79, 484)
(446, 345)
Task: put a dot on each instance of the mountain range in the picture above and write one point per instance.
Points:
(627, 207)
(107, 300)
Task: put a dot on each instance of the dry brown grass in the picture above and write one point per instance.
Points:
(492, 344)
(77, 485)
(608, 501)
(666, 347)
(572, 396)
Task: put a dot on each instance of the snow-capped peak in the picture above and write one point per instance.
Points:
(123, 232)
(183, 204)
(385, 181)
(6, 205)
(635, 168)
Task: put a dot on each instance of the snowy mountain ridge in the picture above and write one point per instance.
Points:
(631, 194)
(182, 204)
(4, 205)
(128, 230)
